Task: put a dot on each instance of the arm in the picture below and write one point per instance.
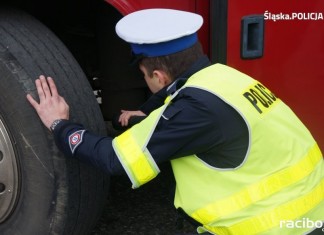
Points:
(86, 146)
(183, 130)
(204, 125)
(75, 141)
(126, 115)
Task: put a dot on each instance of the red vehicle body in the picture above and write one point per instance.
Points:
(279, 43)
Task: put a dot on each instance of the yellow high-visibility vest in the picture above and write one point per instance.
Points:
(277, 189)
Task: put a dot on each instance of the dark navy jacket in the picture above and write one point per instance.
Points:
(197, 122)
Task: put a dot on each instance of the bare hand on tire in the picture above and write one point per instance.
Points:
(51, 105)
(126, 115)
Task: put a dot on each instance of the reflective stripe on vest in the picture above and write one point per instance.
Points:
(138, 163)
(131, 150)
(286, 212)
(259, 191)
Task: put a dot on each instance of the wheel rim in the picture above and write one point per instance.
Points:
(8, 174)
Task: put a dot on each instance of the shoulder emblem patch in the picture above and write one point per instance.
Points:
(75, 140)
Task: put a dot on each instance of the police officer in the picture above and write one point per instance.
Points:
(243, 162)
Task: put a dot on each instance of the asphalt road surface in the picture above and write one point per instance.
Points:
(147, 210)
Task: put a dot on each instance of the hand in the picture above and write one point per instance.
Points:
(126, 115)
(51, 105)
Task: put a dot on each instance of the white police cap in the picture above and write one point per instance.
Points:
(157, 32)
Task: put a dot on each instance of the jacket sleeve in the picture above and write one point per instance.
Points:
(76, 142)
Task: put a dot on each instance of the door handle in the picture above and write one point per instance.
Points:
(252, 36)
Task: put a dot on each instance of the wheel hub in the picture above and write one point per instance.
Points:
(8, 175)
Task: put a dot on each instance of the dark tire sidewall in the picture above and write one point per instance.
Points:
(37, 176)
(57, 195)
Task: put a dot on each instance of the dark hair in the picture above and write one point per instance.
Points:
(174, 64)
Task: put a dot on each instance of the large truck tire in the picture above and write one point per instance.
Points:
(41, 191)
